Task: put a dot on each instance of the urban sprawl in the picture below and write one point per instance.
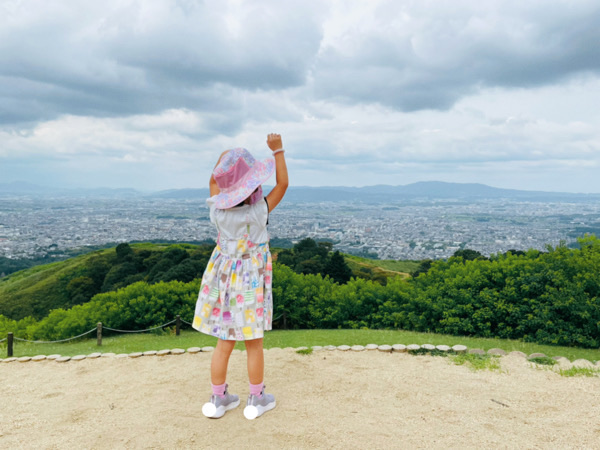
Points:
(33, 227)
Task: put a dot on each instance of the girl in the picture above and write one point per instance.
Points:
(235, 301)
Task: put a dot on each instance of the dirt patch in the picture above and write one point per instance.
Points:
(330, 399)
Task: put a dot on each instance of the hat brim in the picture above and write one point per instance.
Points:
(261, 171)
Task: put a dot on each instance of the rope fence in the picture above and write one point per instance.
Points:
(141, 331)
(99, 328)
(52, 342)
(10, 338)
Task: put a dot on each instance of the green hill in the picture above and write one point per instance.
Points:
(31, 292)
(37, 290)
(311, 257)
(550, 297)
(380, 268)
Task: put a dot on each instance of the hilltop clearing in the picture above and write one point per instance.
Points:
(326, 400)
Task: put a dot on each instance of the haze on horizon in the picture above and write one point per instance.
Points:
(147, 94)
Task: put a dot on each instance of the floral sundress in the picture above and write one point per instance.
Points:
(236, 299)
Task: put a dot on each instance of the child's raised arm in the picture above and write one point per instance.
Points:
(212, 184)
(281, 174)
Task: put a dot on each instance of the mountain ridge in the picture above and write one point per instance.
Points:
(422, 190)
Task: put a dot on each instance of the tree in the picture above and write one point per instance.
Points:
(307, 245)
(185, 271)
(124, 251)
(81, 289)
(175, 255)
(468, 255)
(97, 269)
(313, 266)
(286, 257)
(116, 275)
(337, 269)
(423, 268)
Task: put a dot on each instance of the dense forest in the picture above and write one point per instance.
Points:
(548, 297)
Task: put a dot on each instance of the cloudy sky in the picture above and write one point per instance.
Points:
(147, 93)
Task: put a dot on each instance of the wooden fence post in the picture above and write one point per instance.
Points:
(9, 345)
(99, 333)
(177, 324)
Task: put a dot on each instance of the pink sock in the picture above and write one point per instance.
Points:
(219, 389)
(256, 389)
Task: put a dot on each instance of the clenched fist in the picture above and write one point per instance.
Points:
(274, 141)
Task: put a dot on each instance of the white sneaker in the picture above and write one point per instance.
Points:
(218, 406)
(257, 405)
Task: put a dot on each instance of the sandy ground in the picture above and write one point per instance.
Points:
(330, 399)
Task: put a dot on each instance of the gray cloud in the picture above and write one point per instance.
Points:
(122, 58)
(143, 57)
(428, 57)
(150, 92)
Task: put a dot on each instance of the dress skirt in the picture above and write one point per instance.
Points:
(236, 298)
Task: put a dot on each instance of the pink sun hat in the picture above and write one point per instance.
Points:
(238, 174)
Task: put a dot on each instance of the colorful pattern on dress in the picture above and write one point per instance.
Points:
(236, 300)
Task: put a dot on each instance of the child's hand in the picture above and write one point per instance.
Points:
(274, 141)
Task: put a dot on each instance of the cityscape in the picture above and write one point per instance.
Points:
(34, 226)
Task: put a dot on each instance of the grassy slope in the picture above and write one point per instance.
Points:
(388, 267)
(37, 286)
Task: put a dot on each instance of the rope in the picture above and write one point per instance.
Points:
(139, 331)
(108, 328)
(52, 342)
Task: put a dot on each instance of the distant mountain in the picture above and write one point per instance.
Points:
(440, 189)
(102, 192)
(180, 193)
(427, 190)
(21, 188)
(415, 192)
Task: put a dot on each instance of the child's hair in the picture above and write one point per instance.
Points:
(255, 197)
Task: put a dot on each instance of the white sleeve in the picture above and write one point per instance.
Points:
(211, 205)
(261, 212)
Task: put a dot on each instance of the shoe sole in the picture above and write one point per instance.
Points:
(251, 412)
(212, 412)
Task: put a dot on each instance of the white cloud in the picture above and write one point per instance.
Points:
(147, 94)
(129, 57)
(429, 54)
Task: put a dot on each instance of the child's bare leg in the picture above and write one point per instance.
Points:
(220, 360)
(221, 401)
(256, 360)
(259, 402)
